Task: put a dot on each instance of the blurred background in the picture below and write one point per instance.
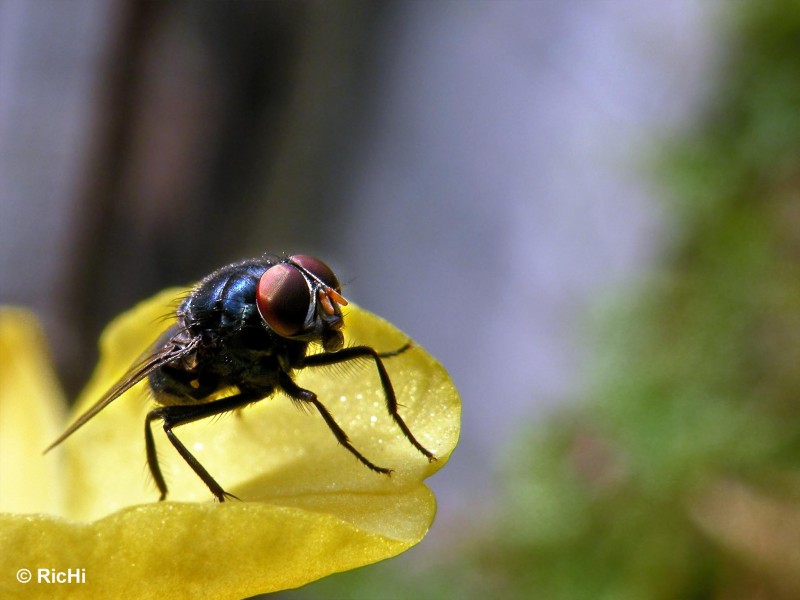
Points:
(585, 209)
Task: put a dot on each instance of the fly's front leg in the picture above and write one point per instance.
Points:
(303, 395)
(391, 353)
(180, 414)
(357, 352)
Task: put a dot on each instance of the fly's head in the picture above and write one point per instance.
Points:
(299, 298)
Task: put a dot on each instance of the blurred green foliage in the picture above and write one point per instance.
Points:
(678, 477)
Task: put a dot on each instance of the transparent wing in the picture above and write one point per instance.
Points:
(169, 352)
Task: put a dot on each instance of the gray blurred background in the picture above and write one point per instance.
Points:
(475, 171)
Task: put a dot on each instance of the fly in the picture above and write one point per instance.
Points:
(246, 326)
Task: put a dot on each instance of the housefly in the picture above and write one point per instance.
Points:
(246, 326)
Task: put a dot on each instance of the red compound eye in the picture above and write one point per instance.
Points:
(283, 299)
(317, 268)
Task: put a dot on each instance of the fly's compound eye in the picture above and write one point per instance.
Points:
(283, 299)
(329, 295)
(318, 269)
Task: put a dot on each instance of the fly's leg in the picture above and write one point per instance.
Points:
(152, 457)
(180, 414)
(397, 352)
(303, 395)
(358, 352)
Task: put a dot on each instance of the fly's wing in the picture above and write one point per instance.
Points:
(169, 352)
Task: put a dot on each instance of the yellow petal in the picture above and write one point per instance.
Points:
(31, 414)
(193, 551)
(310, 509)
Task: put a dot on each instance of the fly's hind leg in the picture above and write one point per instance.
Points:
(180, 414)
